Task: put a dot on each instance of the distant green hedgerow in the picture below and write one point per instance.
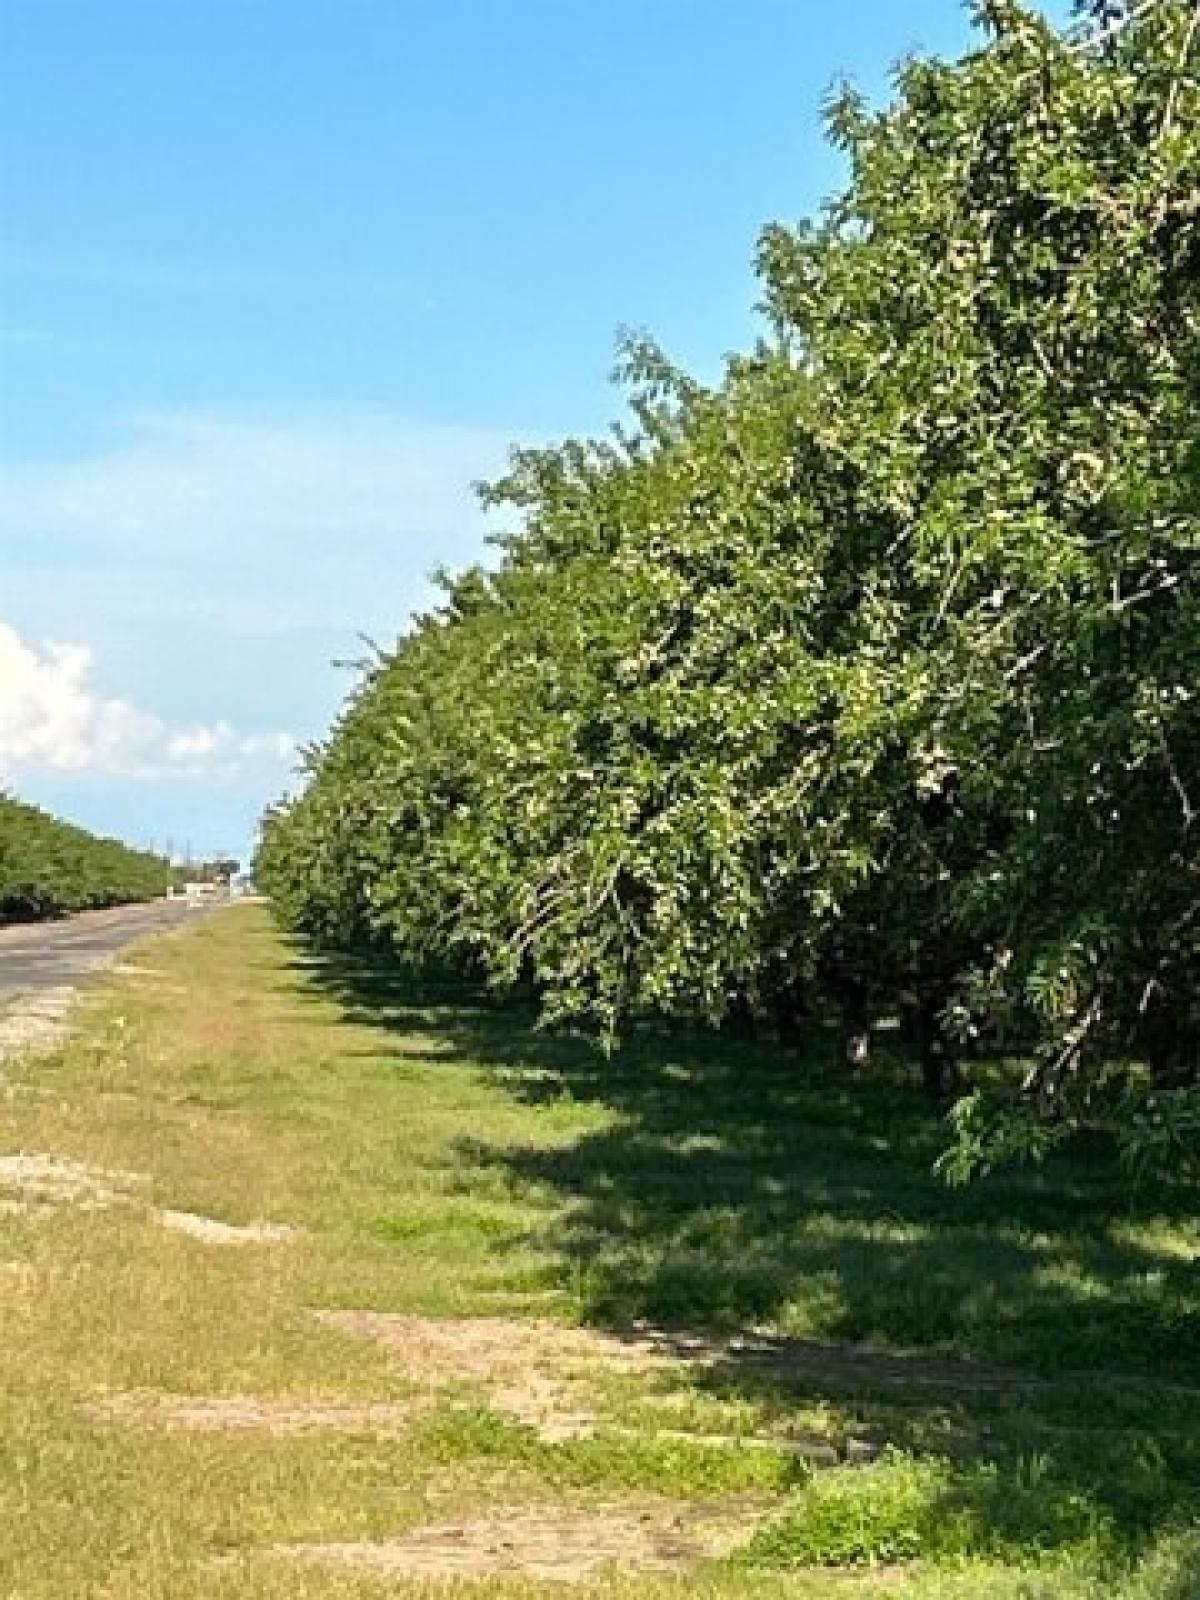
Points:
(48, 867)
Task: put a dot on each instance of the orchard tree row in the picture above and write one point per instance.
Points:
(48, 867)
(866, 681)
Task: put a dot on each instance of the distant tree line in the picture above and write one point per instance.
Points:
(867, 680)
(48, 867)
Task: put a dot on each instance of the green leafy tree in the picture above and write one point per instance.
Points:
(48, 867)
(867, 677)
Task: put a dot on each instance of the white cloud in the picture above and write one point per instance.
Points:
(54, 719)
(218, 563)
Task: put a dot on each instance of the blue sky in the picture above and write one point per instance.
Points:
(280, 278)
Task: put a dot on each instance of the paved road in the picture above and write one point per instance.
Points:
(52, 955)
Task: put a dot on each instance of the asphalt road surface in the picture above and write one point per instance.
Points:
(52, 955)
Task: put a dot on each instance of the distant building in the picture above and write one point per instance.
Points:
(199, 892)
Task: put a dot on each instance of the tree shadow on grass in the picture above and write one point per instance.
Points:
(734, 1187)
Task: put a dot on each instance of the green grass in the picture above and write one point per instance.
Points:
(907, 1508)
(445, 1159)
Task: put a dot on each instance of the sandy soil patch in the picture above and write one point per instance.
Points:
(210, 1231)
(537, 1372)
(554, 1543)
(37, 1023)
(30, 1180)
(248, 1414)
(544, 1375)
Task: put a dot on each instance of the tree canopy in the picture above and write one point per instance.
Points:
(48, 867)
(866, 677)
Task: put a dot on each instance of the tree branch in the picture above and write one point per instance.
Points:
(1185, 51)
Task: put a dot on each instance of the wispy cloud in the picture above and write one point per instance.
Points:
(208, 567)
(315, 516)
(54, 718)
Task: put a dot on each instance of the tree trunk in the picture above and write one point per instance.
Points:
(856, 1026)
(1170, 1037)
(740, 1021)
(939, 1069)
(791, 1014)
(1174, 1063)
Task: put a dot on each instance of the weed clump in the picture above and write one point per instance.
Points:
(906, 1509)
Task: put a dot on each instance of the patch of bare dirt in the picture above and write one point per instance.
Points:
(37, 1182)
(248, 1414)
(534, 1371)
(208, 1230)
(544, 1375)
(37, 1023)
(816, 1452)
(491, 1348)
(782, 1357)
(561, 1544)
(27, 1181)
